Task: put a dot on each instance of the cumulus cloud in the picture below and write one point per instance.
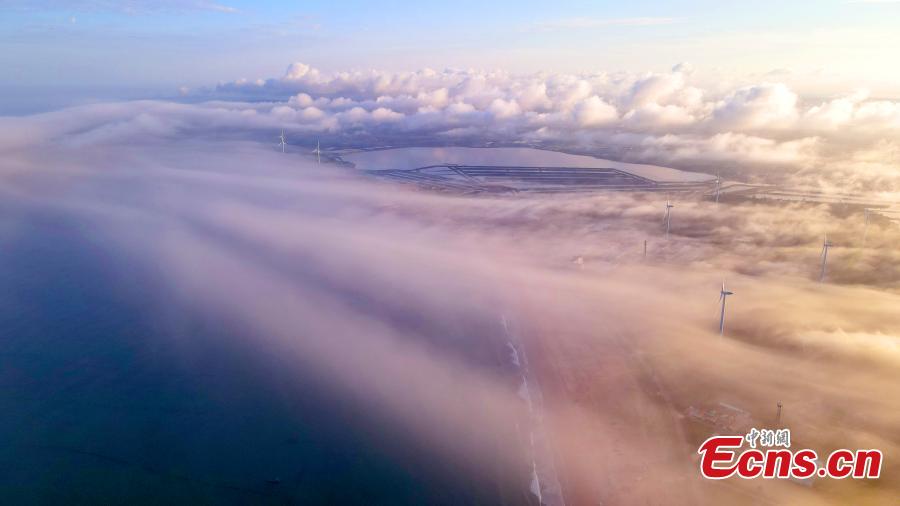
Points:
(653, 117)
(663, 118)
(594, 111)
(766, 106)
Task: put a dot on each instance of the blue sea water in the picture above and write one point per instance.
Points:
(111, 393)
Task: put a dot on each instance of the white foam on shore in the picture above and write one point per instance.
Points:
(525, 394)
(535, 480)
(544, 482)
(514, 355)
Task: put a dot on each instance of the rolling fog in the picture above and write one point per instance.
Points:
(386, 301)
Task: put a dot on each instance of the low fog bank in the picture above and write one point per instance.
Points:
(392, 298)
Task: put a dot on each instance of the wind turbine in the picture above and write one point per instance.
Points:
(283, 141)
(825, 246)
(722, 296)
(318, 152)
(718, 185)
(669, 207)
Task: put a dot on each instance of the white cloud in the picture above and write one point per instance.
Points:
(764, 106)
(651, 117)
(594, 111)
(503, 109)
(656, 117)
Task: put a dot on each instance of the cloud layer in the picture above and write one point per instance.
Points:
(391, 299)
(758, 131)
(660, 118)
(764, 131)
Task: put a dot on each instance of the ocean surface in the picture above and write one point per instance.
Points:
(114, 392)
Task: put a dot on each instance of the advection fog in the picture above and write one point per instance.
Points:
(173, 298)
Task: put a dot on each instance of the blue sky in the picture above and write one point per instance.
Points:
(138, 47)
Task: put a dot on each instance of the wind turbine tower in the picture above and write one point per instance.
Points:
(669, 207)
(318, 153)
(825, 247)
(723, 295)
(282, 140)
(718, 185)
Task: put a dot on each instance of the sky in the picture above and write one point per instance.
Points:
(54, 52)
